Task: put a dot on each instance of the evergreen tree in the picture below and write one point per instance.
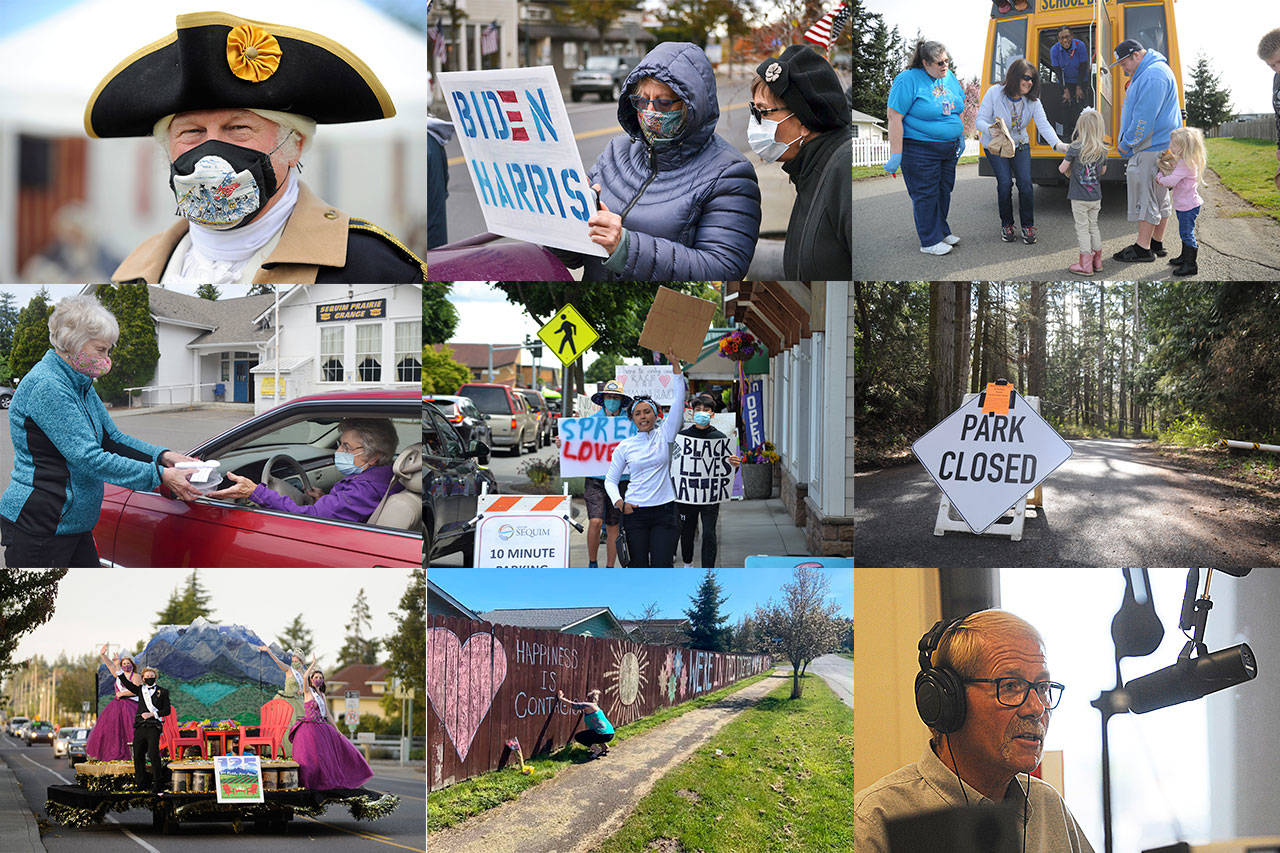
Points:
(359, 647)
(297, 637)
(136, 353)
(706, 624)
(209, 291)
(406, 648)
(187, 604)
(878, 55)
(30, 334)
(439, 317)
(261, 290)
(1208, 103)
(8, 322)
(27, 599)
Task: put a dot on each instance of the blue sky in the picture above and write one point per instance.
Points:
(624, 591)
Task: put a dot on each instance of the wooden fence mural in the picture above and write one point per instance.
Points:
(487, 683)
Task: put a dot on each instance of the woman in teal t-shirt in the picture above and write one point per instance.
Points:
(926, 138)
(599, 730)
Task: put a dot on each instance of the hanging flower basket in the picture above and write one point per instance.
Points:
(738, 346)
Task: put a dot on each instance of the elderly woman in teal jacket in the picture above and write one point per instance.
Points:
(65, 446)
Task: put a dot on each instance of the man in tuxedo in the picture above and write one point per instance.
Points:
(148, 726)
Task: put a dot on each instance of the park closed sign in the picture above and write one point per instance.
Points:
(985, 462)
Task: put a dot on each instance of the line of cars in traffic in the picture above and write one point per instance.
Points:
(67, 741)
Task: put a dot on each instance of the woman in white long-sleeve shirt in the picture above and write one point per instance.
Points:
(649, 511)
(1017, 102)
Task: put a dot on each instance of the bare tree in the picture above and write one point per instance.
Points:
(804, 625)
(644, 632)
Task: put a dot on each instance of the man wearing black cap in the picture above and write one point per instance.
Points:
(801, 118)
(1149, 114)
(234, 103)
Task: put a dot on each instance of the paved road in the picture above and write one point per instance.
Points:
(837, 672)
(1111, 504)
(405, 829)
(885, 246)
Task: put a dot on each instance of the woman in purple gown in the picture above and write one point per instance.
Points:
(110, 737)
(326, 760)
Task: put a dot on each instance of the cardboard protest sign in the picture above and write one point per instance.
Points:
(586, 444)
(656, 380)
(520, 152)
(677, 322)
(702, 471)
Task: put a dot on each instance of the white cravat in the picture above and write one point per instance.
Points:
(147, 693)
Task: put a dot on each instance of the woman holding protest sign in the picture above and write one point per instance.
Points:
(649, 511)
(676, 201)
(704, 406)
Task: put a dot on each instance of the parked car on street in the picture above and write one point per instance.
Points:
(291, 449)
(41, 732)
(470, 422)
(452, 480)
(602, 76)
(6, 395)
(538, 405)
(15, 723)
(64, 737)
(514, 425)
(76, 747)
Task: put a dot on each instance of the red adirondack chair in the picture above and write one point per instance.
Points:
(276, 715)
(176, 741)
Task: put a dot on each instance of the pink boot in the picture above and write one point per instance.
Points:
(1084, 266)
(1097, 261)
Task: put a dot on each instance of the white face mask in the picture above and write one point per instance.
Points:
(760, 137)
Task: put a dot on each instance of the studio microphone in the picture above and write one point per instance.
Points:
(1190, 678)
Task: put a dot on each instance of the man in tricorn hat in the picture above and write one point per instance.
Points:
(234, 103)
(600, 511)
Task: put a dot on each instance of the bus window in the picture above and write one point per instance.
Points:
(1146, 24)
(1010, 43)
(1064, 101)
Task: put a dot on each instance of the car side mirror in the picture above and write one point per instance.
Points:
(486, 416)
(478, 451)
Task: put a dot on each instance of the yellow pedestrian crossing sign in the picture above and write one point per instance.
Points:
(567, 334)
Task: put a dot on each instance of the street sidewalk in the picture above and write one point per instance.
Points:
(18, 825)
(413, 771)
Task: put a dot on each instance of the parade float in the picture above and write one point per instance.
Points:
(224, 747)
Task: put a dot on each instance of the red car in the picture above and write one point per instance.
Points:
(290, 448)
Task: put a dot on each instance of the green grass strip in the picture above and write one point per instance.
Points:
(1247, 167)
(456, 803)
(784, 781)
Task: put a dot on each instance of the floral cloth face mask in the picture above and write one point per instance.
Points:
(91, 365)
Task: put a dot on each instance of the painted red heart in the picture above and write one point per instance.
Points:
(664, 379)
(462, 679)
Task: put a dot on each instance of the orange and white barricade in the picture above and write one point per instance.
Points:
(522, 531)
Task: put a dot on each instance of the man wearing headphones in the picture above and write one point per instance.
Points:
(984, 691)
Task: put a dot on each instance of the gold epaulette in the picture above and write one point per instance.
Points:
(392, 240)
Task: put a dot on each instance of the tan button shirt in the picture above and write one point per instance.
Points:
(929, 785)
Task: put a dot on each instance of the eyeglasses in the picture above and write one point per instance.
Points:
(1012, 692)
(662, 105)
(758, 113)
(1028, 76)
(942, 63)
(347, 448)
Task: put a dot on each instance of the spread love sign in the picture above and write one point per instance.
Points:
(519, 150)
(586, 444)
(701, 470)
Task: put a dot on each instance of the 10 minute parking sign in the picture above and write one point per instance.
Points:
(985, 462)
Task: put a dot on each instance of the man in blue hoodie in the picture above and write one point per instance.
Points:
(1150, 113)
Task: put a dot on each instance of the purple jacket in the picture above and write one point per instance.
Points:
(352, 498)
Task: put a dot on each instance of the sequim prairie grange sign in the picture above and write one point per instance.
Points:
(986, 462)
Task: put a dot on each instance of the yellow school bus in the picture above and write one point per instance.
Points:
(1031, 33)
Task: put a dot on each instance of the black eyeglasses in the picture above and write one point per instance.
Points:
(1012, 692)
(758, 113)
(942, 63)
(1028, 76)
(662, 105)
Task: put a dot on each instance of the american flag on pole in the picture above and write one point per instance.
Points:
(489, 38)
(441, 47)
(829, 27)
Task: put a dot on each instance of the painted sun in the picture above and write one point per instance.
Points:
(624, 683)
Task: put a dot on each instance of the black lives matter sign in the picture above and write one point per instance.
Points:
(703, 474)
(985, 463)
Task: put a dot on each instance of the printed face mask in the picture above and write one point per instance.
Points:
(126, 666)
(346, 463)
(91, 365)
(659, 126)
(760, 137)
(611, 405)
(221, 185)
(702, 418)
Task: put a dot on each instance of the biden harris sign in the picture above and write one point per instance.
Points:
(986, 462)
(520, 152)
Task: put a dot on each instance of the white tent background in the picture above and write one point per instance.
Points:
(374, 170)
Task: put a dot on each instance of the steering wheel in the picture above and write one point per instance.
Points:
(283, 487)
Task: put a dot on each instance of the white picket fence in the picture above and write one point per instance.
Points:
(875, 152)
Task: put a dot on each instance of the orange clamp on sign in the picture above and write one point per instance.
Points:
(996, 399)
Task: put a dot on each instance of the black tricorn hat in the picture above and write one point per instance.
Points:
(214, 60)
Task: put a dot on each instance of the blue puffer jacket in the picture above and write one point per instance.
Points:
(65, 446)
(692, 206)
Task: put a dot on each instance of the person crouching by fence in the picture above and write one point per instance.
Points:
(599, 731)
(649, 512)
(704, 405)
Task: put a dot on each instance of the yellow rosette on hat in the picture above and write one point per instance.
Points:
(253, 54)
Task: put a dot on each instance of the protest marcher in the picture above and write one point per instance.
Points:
(800, 117)
(649, 512)
(613, 403)
(439, 132)
(1269, 52)
(234, 104)
(677, 201)
(1015, 103)
(1070, 58)
(1149, 115)
(704, 406)
(926, 139)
